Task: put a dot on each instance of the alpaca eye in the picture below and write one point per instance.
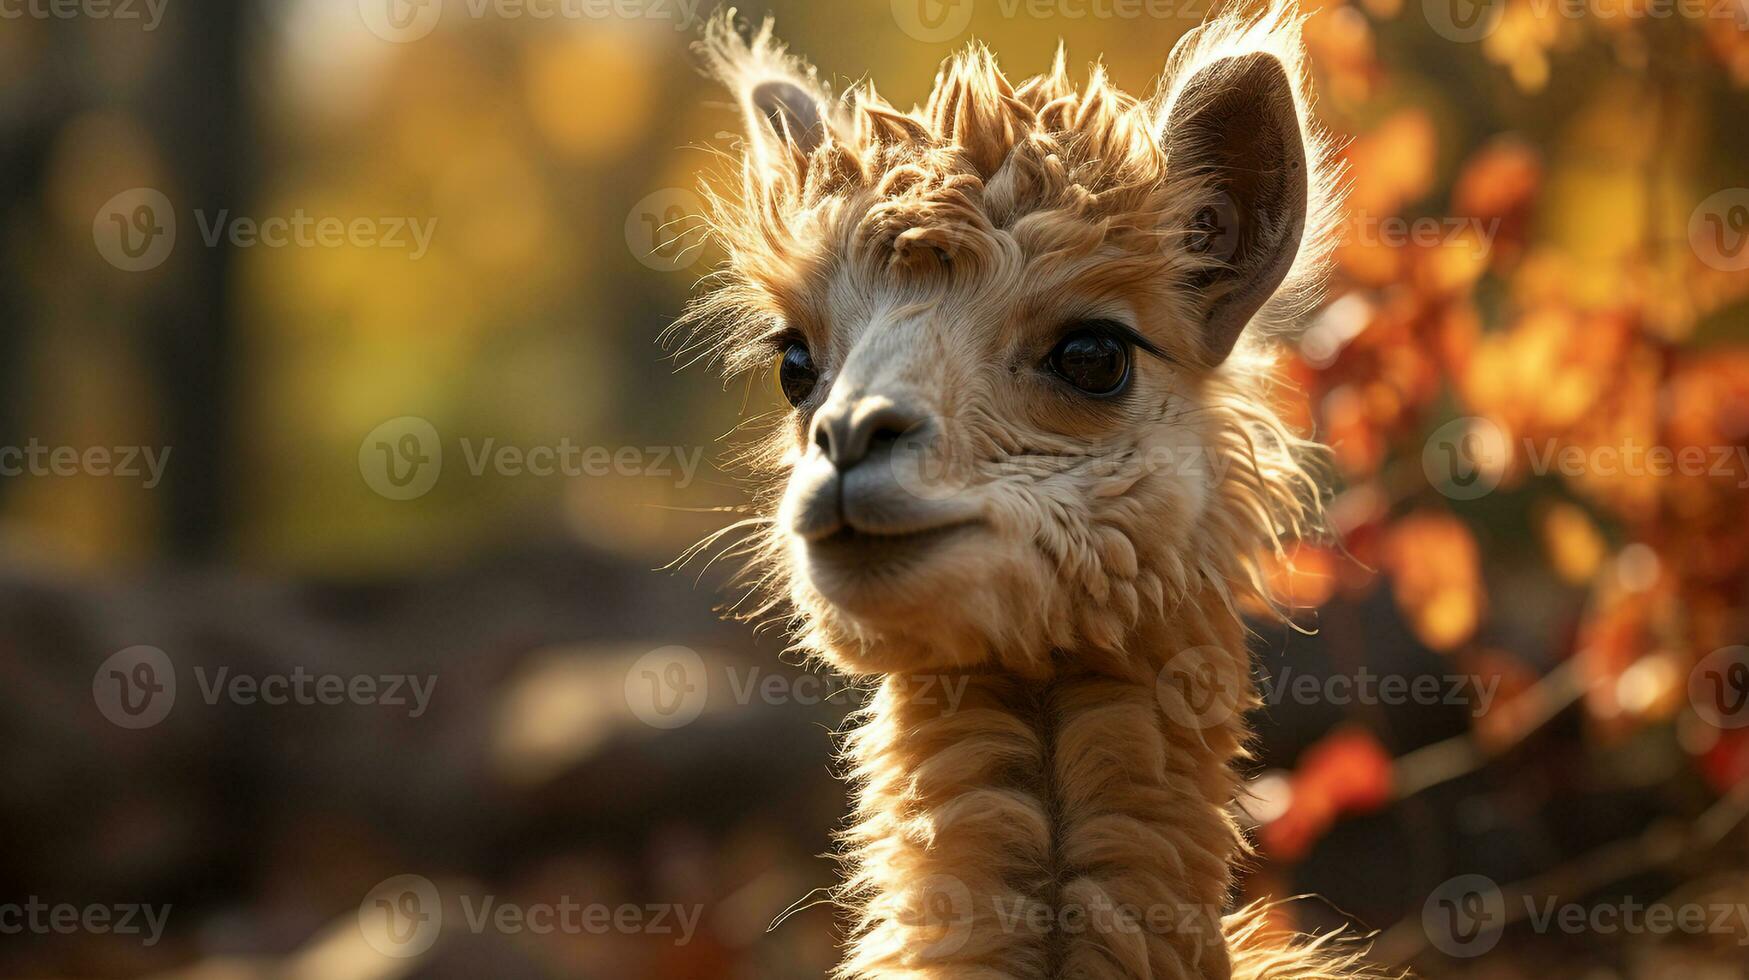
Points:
(1095, 362)
(796, 373)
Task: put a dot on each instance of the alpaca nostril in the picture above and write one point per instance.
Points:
(888, 433)
(849, 434)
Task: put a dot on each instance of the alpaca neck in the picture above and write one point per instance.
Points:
(1060, 826)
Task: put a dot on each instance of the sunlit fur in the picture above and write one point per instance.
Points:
(942, 246)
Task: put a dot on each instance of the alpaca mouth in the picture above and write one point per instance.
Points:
(868, 507)
(852, 542)
(849, 553)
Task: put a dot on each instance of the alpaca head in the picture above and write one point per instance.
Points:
(1022, 331)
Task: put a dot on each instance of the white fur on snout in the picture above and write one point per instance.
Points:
(895, 492)
(810, 508)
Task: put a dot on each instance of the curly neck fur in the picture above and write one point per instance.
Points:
(1056, 826)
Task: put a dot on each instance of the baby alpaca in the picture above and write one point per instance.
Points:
(1032, 463)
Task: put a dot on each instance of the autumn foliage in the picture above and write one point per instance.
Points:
(1563, 311)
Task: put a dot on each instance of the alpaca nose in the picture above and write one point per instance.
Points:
(849, 432)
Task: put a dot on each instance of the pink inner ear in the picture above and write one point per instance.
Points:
(1236, 124)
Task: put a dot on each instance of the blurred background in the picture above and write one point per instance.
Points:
(339, 467)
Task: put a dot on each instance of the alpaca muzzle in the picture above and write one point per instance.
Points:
(872, 469)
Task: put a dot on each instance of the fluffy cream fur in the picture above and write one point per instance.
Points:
(1059, 819)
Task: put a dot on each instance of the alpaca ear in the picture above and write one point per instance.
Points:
(1234, 125)
(785, 121)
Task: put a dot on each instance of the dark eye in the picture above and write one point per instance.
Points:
(1092, 360)
(796, 373)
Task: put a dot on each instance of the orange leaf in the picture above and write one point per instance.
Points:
(1436, 576)
(1347, 771)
